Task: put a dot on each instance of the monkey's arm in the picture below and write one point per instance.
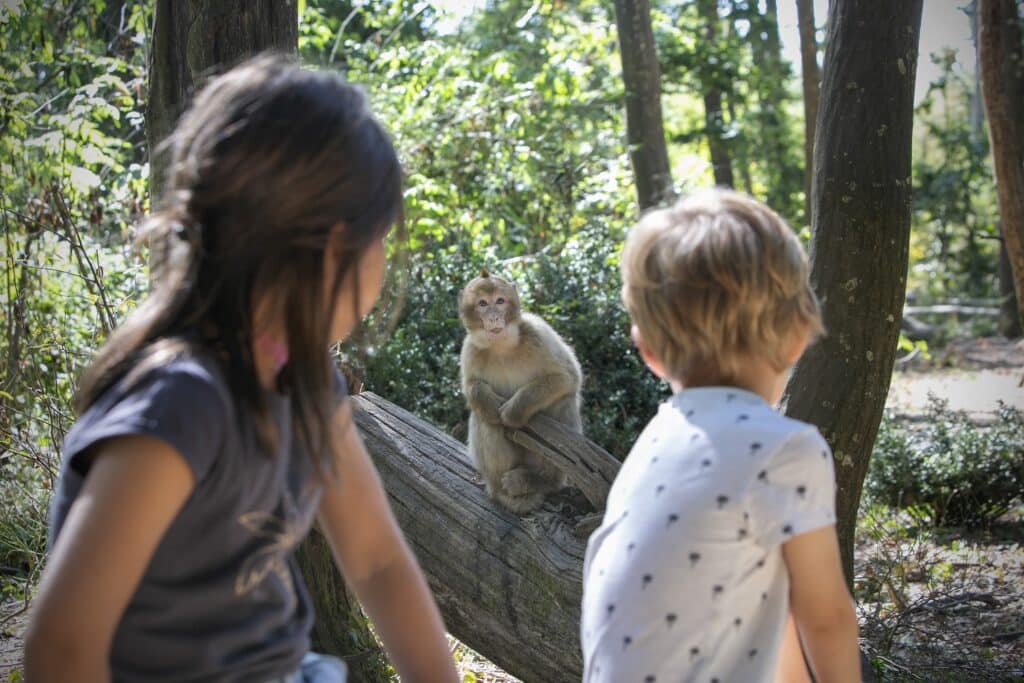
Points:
(535, 396)
(483, 400)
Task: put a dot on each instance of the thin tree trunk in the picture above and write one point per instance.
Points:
(1002, 82)
(645, 131)
(783, 170)
(975, 105)
(742, 150)
(718, 148)
(860, 235)
(811, 77)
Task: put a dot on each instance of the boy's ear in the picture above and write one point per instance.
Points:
(652, 363)
(795, 344)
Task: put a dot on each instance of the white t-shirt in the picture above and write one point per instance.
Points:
(684, 580)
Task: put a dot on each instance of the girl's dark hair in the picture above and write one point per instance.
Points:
(266, 163)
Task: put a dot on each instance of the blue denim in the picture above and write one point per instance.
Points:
(316, 668)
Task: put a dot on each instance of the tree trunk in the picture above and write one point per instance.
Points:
(811, 77)
(860, 235)
(190, 40)
(645, 132)
(508, 587)
(1009, 314)
(341, 628)
(1002, 82)
(714, 120)
(782, 169)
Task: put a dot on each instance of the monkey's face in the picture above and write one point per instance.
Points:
(489, 309)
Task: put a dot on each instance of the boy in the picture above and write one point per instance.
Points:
(721, 521)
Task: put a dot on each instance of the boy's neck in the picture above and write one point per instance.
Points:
(758, 377)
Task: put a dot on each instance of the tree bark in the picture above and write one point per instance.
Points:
(714, 119)
(508, 587)
(860, 235)
(341, 628)
(1009, 313)
(194, 37)
(1001, 58)
(811, 77)
(645, 131)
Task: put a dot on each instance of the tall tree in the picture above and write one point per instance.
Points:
(860, 235)
(769, 76)
(714, 120)
(645, 130)
(1001, 61)
(191, 39)
(811, 78)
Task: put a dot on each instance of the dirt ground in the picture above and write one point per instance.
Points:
(951, 605)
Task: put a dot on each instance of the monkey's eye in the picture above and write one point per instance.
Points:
(499, 301)
(483, 303)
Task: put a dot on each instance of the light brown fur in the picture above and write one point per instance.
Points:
(513, 366)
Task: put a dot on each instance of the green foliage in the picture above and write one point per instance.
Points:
(949, 471)
(954, 246)
(515, 160)
(73, 180)
(760, 124)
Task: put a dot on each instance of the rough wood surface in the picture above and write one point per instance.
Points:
(860, 235)
(587, 466)
(508, 587)
(1001, 61)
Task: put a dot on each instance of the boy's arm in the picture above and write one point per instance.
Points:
(375, 561)
(821, 605)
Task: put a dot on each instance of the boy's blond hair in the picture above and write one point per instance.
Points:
(714, 279)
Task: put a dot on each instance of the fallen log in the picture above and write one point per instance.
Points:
(508, 587)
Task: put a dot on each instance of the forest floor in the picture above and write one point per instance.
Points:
(944, 605)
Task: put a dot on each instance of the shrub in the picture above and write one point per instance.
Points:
(950, 471)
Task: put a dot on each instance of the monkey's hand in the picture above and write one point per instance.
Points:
(485, 402)
(514, 413)
(534, 397)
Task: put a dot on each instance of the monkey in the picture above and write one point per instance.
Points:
(513, 365)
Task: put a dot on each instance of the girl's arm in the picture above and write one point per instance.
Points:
(791, 667)
(372, 555)
(821, 605)
(134, 489)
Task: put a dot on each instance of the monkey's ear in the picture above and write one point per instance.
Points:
(484, 273)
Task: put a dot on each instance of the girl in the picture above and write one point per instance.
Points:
(212, 424)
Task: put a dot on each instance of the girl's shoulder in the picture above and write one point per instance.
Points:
(179, 396)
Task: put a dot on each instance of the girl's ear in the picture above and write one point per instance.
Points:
(652, 363)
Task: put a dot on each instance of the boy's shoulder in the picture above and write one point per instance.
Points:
(731, 415)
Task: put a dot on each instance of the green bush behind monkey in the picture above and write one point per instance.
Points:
(513, 365)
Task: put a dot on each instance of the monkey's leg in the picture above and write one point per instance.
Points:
(493, 454)
(525, 480)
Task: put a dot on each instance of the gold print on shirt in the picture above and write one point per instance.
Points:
(283, 528)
